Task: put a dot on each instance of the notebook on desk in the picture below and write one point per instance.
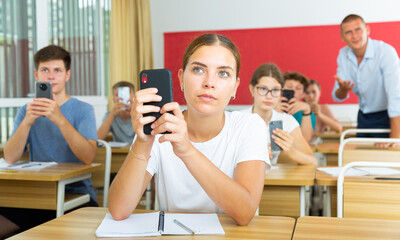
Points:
(22, 165)
(160, 223)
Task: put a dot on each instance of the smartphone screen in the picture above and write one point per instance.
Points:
(162, 80)
(274, 125)
(44, 90)
(289, 94)
(125, 94)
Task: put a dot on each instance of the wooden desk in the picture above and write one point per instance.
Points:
(354, 183)
(82, 224)
(346, 228)
(284, 190)
(118, 156)
(42, 189)
(332, 136)
(331, 150)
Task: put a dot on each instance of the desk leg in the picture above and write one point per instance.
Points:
(327, 201)
(302, 201)
(61, 191)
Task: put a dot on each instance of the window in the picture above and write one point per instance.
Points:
(80, 26)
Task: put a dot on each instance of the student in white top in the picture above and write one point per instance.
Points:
(266, 87)
(212, 161)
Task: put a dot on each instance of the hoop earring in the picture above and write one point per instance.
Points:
(233, 98)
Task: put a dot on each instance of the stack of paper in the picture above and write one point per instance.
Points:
(360, 171)
(149, 224)
(25, 165)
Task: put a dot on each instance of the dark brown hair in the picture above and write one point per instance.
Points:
(210, 40)
(297, 77)
(124, 84)
(313, 82)
(267, 70)
(52, 52)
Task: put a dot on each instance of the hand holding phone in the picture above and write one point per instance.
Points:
(44, 90)
(274, 125)
(162, 80)
(288, 94)
(124, 93)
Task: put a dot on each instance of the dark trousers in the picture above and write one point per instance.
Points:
(28, 218)
(373, 120)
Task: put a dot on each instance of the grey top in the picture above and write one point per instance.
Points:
(122, 131)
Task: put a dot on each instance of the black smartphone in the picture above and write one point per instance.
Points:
(162, 80)
(44, 90)
(274, 125)
(289, 94)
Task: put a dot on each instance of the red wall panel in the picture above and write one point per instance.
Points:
(309, 50)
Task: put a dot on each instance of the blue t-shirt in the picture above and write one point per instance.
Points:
(47, 144)
(299, 116)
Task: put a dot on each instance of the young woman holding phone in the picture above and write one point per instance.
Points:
(212, 161)
(266, 87)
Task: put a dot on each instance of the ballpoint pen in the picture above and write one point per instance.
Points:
(184, 227)
(31, 165)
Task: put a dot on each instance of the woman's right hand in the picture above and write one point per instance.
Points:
(138, 109)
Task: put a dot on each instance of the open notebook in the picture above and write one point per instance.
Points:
(160, 223)
(360, 171)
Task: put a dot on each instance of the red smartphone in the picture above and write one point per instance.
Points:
(162, 80)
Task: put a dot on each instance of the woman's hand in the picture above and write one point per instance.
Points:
(138, 109)
(175, 124)
(283, 139)
(316, 109)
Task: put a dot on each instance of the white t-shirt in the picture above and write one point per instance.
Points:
(289, 123)
(241, 139)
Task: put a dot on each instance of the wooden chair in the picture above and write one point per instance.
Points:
(378, 199)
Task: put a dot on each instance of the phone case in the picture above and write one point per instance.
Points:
(289, 94)
(274, 125)
(162, 80)
(125, 94)
(44, 90)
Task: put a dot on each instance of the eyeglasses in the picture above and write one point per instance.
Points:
(263, 91)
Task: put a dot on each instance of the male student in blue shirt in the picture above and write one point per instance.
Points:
(371, 69)
(61, 129)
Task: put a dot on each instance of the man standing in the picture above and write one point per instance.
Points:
(370, 68)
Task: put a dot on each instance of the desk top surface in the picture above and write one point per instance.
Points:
(82, 224)
(324, 179)
(290, 175)
(53, 173)
(346, 228)
(333, 148)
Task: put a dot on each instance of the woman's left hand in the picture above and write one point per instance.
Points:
(175, 124)
(283, 139)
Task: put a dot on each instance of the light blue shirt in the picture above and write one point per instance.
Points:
(47, 144)
(377, 78)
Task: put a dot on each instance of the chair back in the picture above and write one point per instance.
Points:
(101, 177)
